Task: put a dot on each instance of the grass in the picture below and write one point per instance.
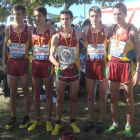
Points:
(81, 119)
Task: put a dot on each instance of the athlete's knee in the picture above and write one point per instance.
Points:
(73, 98)
(60, 99)
(102, 97)
(113, 100)
(90, 97)
(130, 101)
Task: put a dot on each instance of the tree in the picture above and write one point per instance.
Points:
(55, 19)
(5, 9)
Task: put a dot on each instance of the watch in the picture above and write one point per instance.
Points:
(138, 71)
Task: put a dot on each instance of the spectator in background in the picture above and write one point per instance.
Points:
(72, 25)
(6, 91)
(87, 23)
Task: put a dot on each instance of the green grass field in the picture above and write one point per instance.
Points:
(81, 119)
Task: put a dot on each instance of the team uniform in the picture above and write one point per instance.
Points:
(121, 66)
(96, 65)
(73, 74)
(18, 60)
(41, 65)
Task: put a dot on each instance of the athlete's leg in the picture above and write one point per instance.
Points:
(114, 91)
(74, 89)
(27, 98)
(90, 84)
(60, 91)
(128, 92)
(102, 95)
(13, 93)
(37, 89)
(48, 87)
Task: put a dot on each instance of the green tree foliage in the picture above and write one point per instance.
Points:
(5, 9)
(55, 19)
(6, 5)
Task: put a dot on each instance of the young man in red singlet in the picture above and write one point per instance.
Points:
(18, 41)
(66, 37)
(96, 65)
(124, 41)
(42, 68)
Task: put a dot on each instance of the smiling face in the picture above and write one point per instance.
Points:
(119, 16)
(39, 17)
(18, 16)
(95, 18)
(65, 20)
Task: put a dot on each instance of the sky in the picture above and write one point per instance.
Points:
(78, 9)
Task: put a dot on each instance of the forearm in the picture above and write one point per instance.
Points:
(4, 54)
(53, 60)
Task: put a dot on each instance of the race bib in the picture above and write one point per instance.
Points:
(16, 50)
(98, 53)
(41, 52)
(117, 51)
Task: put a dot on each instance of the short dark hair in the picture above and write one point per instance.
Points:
(72, 25)
(95, 9)
(2, 26)
(41, 9)
(68, 12)
(121, 6)
(86, 22)
(19, 7)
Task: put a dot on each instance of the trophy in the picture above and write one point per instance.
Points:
(66, 56)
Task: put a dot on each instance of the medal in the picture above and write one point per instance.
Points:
(40, 38)
(118, 40)
(20, 46)
(95, 43)
(40, 49)
(19, 36)
(66, 39)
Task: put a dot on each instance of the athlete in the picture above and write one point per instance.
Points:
(18, 41)
(96, 65)
(124, 41)
(42, 68)
(66, 37)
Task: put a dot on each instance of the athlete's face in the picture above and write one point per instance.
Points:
(39, 17)
(118, 15)
(65, 20)
(95, 18)
(18, 16)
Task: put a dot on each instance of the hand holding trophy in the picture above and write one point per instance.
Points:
(67, 57)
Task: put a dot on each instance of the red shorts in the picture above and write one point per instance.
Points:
(42, 69)
(18, 66)
(70, 79)
(96, 69)
(120, 71)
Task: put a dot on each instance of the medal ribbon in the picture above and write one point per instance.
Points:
(66, 40)
(118, 40)
(40, 38)
(19, 34)
(95, 43)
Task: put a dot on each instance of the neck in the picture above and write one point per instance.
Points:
(67, 30)
(121, 25)
(19, 25)
(42, 26)
(96, 27)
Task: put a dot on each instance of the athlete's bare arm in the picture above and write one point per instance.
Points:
(53, 31)
(85, 31)
(5, 50)
(135, 37)
(80, 35)
(30, 27)
(54, 44)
